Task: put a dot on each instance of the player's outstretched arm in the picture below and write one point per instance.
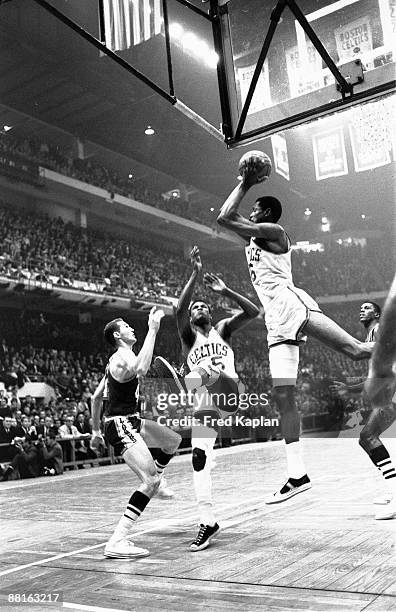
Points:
(231, 219)
(140, 364)
(182, 310)
(249, 310)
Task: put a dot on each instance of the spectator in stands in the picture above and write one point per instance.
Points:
(26, 462)
(51, 454)
(69, 431)
(24, 429)
(7, 434)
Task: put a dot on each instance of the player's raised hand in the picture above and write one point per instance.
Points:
(155, 316)
(97, 442)
(196, 259)
(215, 283)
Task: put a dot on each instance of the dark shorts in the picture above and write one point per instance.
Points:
(122, 432)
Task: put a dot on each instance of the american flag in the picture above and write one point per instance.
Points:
(130, 22)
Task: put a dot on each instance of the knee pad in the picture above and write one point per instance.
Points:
(198, 459)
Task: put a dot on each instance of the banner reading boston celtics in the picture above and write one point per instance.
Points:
(354, 40)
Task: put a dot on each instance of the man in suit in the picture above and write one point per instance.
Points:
(7, 434)
(51, 454)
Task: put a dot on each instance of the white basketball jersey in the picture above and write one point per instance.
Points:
(212, 350)
(269, 272)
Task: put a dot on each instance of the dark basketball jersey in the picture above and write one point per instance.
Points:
(371, 336)
(119, 399)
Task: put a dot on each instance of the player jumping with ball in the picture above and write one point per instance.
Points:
(290, 313)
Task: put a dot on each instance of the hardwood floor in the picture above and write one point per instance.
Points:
(322, 550)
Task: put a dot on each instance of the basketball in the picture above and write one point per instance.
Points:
(255, 162)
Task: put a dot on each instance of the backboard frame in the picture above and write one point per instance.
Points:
(381, 83)
(231, 129)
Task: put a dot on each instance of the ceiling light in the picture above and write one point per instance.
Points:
(307, 212)
(212, 209)
(190, 41)
(149, 131)
(130, 175)
(363, 216)
(175, 30)
(211, 59)
(7, 128)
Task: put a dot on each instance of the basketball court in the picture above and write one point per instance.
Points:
(321, 550)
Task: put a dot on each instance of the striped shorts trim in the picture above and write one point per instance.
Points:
(122, 432)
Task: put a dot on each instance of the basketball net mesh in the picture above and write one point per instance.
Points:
(374, 123)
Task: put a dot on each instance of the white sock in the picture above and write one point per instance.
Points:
(203, 492)
(388, 472)
(203, 479)
(123, 530)
(295, 462)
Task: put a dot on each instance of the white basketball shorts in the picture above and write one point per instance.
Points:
(286, 314)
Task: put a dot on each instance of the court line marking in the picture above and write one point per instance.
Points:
(78, 551)
(153, 527)
(74, 606)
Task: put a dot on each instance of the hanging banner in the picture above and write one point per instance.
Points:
(262, 95)
(303, 77)
(392, 15)
(354, 40)
(279, 150)
(367, 157)
(329, 154)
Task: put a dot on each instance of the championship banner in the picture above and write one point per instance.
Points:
(303, 77)
(367, 157)
(128, 23)
(262, 95)
(392, 15)
(279, 150)
(329, 154)
(354, 40)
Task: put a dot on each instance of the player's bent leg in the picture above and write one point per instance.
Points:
(203, 376)
(167, 441)
(203, 440)
(379, 420)
(326, 330)
(160, 436)
(137, 456)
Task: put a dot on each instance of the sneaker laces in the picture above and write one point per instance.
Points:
(200, 535)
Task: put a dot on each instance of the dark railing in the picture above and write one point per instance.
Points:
(228, 436)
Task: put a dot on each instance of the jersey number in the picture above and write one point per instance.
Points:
(216, 361)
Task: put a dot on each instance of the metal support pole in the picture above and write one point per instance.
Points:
(345, 87)
(99, 45)
(275, 17)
